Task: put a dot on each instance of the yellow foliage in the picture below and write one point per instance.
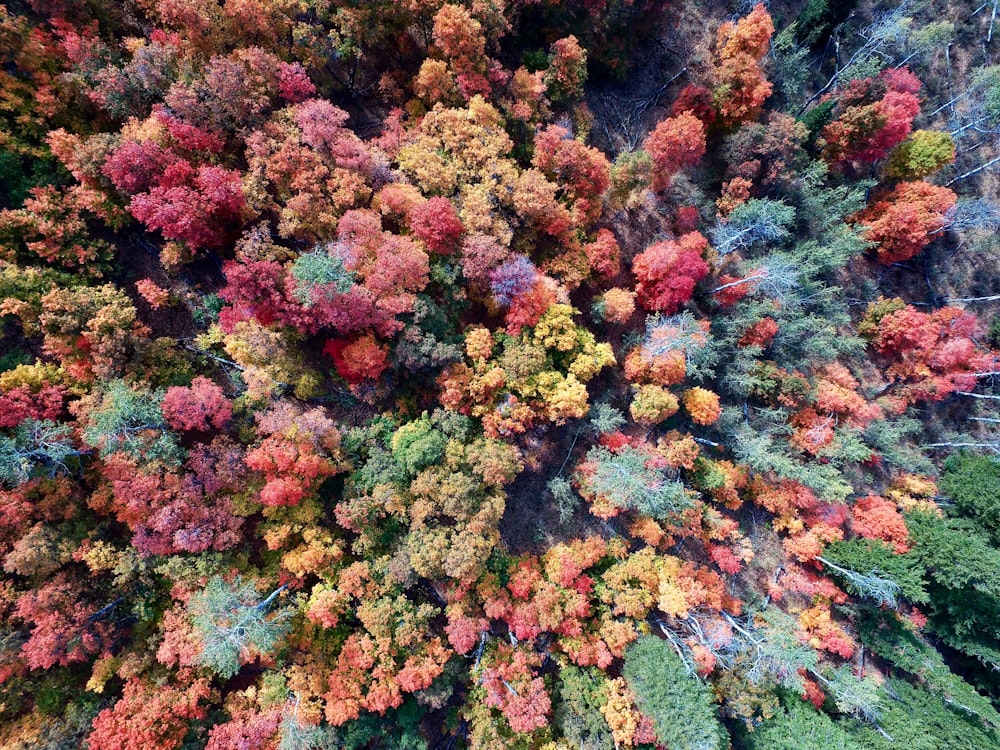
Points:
(652, 404)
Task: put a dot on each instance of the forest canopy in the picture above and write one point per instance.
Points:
(547, 374)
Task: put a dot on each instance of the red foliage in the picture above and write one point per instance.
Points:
(687, 219)
(906, 220)
(698, 101)
(668, 271)
(583, 173)
(359, 359)
(740, 85)
(676, 142)
(247, 730)
(603, 254)
(528, 307)
(149, 717)
(875, 116)
(201, 407)
(63, 629)
(137, 167)
(169, 512)
(436, 223)
(513, 686)
(23, 402)
(197, 207)
(874, 517)
(933, 355)
(296, 456)
(760, 333)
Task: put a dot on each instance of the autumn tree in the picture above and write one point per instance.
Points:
(906, 220)
(675, 143)
(668, 271)
(740, 87)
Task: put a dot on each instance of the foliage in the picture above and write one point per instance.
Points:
(679, 705)
(232, 622)
(298, 409)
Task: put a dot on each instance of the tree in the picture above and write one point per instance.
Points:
(630, 479)
(149, 716)
(200, 408)
(755, 221)
(875, 116)
(740, 85)
(36, 448)
(128, 420)
(233, 623)
(582, 696)
(567, 70)
(703, 405)
(679, 705)
(436, 223)
(973, 483)
(799, 726)
(513, 686)
(65, 629)
(196, 207)
(922, 154)
(906, 220)
(668, 271)
(675, 143)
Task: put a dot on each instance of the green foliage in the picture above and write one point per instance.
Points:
(964, 590)
(892, 437)
(399, 728)
(605, 419)
(755, 222)
(818, 118)
(631, 484)
(776, 654)
(35, 448)
(892, 639)
(578, 711)
(799, 726)
(918, 720)
(233, 622)
(677, 702)
(818, 18)
(756, 444)
(855, 696)
(874, 558)
(12, 357)
(128, 420)
(296, 735)
(567, 501)
(417, 445)
(320, 272)
(973, 483)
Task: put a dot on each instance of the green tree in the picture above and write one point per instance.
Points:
(799, 726)
(678, 703)
(128, 420)
(973, 483)
(233, 622)
(626, 478)
(578, 710)
(35, 448)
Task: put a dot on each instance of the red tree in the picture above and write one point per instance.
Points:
(668, 271)
(149, 717)
(676, 142)
(906, 220)
(436, 223)
(200, 408)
